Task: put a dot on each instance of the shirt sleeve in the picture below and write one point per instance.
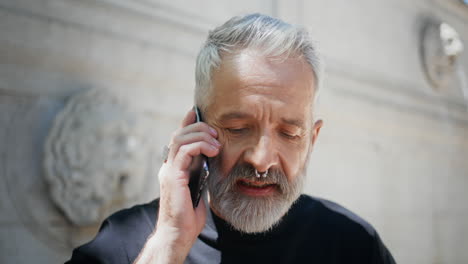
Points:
(105, 248)
(381, 255)
(120, 238)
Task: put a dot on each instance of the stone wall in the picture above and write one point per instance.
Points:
(393, 149)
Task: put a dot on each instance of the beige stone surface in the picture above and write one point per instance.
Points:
(98, 152)
(392, 149)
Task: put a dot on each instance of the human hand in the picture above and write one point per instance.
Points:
(179, 223)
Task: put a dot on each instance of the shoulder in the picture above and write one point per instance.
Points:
(120, 237)
(135, 217)
(332, 215)
(338, 227)
(335, 215)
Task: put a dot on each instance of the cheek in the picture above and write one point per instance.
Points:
(293, 159)
(230, 155)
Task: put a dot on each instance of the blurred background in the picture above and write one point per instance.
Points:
(90, 91)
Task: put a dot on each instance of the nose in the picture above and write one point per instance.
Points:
(262, 155)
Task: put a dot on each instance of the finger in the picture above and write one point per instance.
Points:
(179, 135)
(189, 118)
(184, 139)
(198, 127)
(186, 152)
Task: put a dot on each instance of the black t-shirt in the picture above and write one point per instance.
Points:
(313, 231)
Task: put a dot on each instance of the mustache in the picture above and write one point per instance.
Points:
(246, 171)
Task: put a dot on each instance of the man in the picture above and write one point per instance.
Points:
(256, 83)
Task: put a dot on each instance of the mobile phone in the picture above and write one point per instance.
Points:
(198, 171)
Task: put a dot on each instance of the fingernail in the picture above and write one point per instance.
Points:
(216, 142)
(213, 131)
(214, 147)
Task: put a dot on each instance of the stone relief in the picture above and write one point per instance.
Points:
(96, 154)
(441, 47)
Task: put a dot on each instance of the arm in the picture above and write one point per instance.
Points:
(163, 248)
(179, 223)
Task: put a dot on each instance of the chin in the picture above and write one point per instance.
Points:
(252, 214)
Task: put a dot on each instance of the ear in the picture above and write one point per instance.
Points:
(316, 130)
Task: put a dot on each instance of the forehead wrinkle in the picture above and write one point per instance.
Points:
(264, 92)
(234, 115)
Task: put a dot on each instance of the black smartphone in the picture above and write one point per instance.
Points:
(198, 172)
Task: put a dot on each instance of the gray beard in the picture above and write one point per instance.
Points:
(246, 213)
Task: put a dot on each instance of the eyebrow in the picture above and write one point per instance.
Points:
(241, 115)
(235, 115)
(294, 122)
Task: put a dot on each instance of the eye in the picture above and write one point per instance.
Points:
(237, 131)
(289, 135)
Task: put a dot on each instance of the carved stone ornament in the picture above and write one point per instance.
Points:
(441, 47)
(96, 154)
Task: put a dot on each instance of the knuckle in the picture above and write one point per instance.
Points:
(201, 126)
(207, 148)
(205, 136)
(176, 139)
(175, 133)
(162, 173)
(184, 149)
(201, 145)
(205, 126)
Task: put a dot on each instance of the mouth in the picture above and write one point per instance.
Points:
(256, 188)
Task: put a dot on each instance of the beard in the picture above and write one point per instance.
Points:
(246, 213)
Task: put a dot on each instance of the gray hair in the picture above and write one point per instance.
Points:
(270, 36)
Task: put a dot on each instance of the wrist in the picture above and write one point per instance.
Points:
(169, 246)
(163, 247)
